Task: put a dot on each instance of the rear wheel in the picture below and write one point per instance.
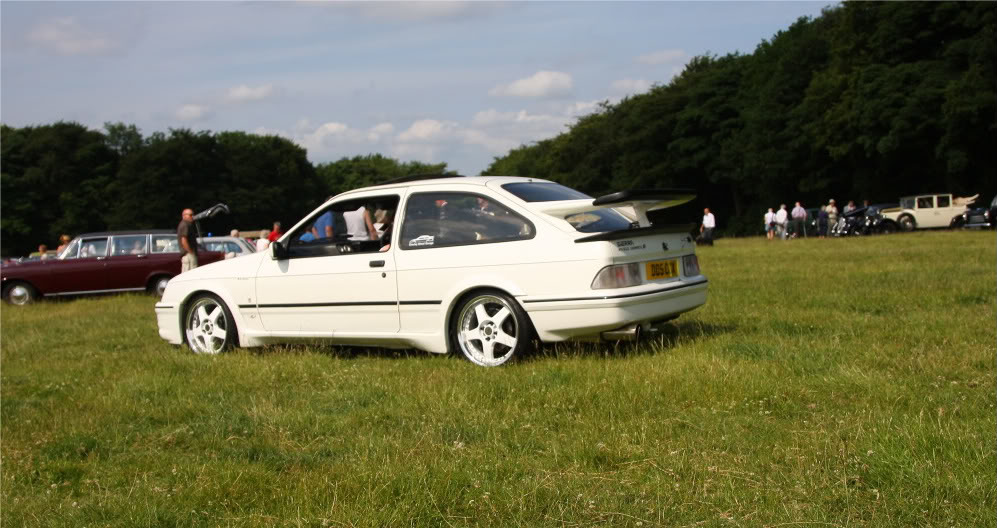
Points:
(208, 325)
(20, 294)
(491, 329)
(157, 286)
(907, 223)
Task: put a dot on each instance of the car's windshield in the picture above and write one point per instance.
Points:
(597, 221)
(71, 250)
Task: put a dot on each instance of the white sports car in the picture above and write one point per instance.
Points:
(482, 265)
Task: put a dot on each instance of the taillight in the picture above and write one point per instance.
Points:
(618, 276)
(690, 265)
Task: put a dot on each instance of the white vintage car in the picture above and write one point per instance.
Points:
(925, 211)
(481, 265)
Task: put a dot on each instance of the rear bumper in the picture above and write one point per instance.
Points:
(589, 317)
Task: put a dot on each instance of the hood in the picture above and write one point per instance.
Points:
(244, 266)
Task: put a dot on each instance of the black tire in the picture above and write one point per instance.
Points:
(20, 293)
(886, 227)
(208, 326)
(907, 223)
(490, 328)
(157, 285)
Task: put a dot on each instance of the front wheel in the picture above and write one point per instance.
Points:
(20, 294)
(491, 328)
(208, 326)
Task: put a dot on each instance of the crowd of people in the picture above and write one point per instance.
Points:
(785, 225)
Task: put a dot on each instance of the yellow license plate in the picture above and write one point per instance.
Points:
(662, 269)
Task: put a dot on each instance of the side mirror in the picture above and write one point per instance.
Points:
(278, 251)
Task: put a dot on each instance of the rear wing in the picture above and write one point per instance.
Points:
(634, 203)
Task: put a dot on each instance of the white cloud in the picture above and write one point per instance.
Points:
(429, 130)
(630, 86)
(670, 56)
(540, 84)
(412, 11)
(580, 108)
(379, 131)
(192, 112)
(66, 36)
(244, 93)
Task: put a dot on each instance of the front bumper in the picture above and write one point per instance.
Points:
(168, 319)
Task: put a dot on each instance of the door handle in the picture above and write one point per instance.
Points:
(377, 263)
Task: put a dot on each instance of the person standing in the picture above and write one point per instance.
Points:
(770, 224)
(850, 207)
(264, 241)
(706, 228)
(276, 232)
(187, 236)
(780, 222)
(832, 214)
(799, 215)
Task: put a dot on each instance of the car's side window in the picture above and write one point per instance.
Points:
(944, 201)
(925, 202)
(93, 247)
(441, 219)
(130, 245)
(362, 225)
(165, 244)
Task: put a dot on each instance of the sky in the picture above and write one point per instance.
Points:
(455, 82)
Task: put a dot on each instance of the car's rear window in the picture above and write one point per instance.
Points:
(598, 221)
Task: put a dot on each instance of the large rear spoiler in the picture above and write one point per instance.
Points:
(634, 203)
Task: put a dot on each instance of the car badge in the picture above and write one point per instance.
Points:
(664, 246)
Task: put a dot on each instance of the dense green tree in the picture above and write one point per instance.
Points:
(53, 178)
(361, 171)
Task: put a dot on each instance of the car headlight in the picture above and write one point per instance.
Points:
(618, 276)
(690, 265)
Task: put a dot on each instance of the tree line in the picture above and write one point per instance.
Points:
(867, 101)
(65, 178)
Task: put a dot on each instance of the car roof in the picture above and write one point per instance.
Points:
(424, 180)
(925, 194)
(131, 232)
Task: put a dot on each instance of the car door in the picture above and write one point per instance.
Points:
(327, 287)
(128, 262)
(85, 270)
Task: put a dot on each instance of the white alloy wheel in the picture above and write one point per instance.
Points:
(20, 294)
(491, 329)
(208, 326)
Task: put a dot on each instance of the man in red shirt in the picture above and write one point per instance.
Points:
(275, 233)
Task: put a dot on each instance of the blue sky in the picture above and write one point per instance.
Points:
(460, 82)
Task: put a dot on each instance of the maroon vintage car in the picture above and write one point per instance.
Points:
(113, 261)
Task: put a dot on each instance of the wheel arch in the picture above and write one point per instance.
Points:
(459, 295)
(233, 308)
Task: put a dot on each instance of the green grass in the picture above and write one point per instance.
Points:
(825, 383)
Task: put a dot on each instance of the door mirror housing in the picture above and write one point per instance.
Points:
(278, 251)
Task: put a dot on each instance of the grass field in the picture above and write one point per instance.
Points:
(825, 383)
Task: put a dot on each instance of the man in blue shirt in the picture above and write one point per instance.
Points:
(323, 226)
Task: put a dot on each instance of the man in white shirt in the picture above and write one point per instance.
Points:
(706, 229)
(799, 215)
(770, 224)
(780, 222)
